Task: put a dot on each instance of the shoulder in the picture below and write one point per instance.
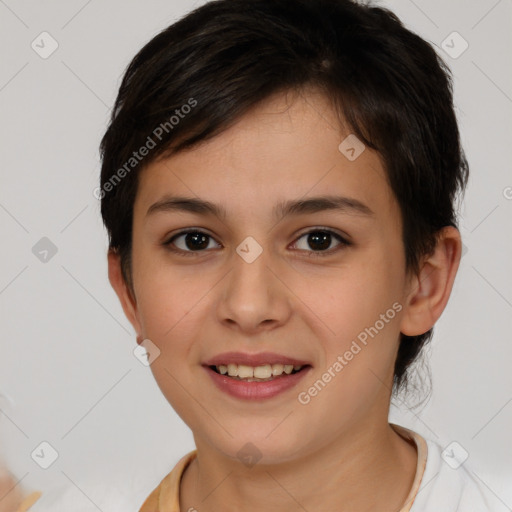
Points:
(168, 489)
(449, 483)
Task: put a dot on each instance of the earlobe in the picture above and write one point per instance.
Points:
(430, 291)
(128, 302)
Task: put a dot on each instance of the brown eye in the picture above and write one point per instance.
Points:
(321, 240)
(190, 241)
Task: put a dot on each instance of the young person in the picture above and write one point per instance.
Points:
(278, 184)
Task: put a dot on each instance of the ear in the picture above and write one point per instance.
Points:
(128, 301)
(430, 291)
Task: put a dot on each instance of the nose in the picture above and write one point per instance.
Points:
(253, 298)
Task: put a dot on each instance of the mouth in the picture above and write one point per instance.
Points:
(255, 376)
(262, 373)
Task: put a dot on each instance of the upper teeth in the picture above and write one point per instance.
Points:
(260, 372)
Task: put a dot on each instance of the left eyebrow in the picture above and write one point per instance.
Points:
(341, 204)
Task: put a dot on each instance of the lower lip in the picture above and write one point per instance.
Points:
(256, 390)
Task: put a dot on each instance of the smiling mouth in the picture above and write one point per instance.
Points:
(261, 373)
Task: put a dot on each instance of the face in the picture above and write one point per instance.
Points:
(319, 285)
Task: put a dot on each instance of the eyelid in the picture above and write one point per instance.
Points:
(343, 236)
(167, 243)
(344, 241)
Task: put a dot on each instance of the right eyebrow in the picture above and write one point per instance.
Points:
(187, 204)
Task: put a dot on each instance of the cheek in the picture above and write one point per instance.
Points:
(349, 299)
(173, 307)
(358, 366)
(346, 398)
(170, 310)
(167, 298)
(360, 309)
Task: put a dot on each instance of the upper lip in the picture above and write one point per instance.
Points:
(259, 359)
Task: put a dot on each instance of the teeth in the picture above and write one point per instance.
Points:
(265, 371)
(245, 372)
(232, 370)
(277, 369)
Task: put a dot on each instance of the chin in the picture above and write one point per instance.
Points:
(256, 446)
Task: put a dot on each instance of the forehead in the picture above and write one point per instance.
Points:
(287, 147)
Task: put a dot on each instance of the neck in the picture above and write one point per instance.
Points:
(365, 469)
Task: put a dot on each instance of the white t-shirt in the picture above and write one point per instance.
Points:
(445, 489)
(444, 481)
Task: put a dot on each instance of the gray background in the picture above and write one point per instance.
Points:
(67, 370)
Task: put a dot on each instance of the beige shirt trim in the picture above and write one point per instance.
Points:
(422, 450)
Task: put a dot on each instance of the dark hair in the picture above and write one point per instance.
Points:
(223, 58)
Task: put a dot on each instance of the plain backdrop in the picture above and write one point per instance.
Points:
(67, 369)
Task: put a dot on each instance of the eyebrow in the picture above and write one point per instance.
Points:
(340, 204)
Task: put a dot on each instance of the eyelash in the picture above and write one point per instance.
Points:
(312, 254)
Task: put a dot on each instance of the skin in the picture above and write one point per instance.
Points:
(10, 494)
(338, 451)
